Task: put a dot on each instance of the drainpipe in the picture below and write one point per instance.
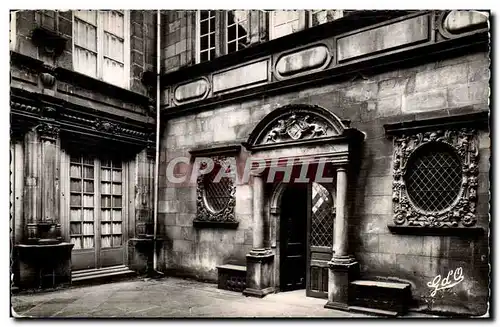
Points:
(157, 145)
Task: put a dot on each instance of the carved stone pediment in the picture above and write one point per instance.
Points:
(462, 211)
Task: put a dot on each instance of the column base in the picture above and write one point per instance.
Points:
(260, 265)
(342, 270)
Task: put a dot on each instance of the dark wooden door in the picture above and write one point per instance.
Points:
(293, 236)
(320, 242)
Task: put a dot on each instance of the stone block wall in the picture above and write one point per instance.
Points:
(434, 89)
(178, 32)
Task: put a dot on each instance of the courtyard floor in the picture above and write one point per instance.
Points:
(168, 298)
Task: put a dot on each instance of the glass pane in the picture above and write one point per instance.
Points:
(75, 214)
(106, 188)
(88, 200)
(117, 189)
(117, 215)
(204, 56)
(203, 14)
(106, 241)
(117, 202)
(106, 228)
(75, 171)
(87, 15)
(117, 241)
(117, 176)
(113, 72)
(117, 228)
(106, 215)
(85, 62)
(113, 47)
(77, 241)
(105, 163)
(231, 47)
(212, 54)
(113, 22)
(75, 200)
(212, 40)
(88, 160)
(89, 186)
(204, 42)
(231, 33)
(88, 229)
(204, 27)
(75, 185)
(322, 216)
(75, 228)
(74, 158)
(88, 214)
(106, 174)
(106, 202)
(88, 242)
(85, 35)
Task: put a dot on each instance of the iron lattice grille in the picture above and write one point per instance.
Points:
(433, 178)
(217, 194)
(322, 216)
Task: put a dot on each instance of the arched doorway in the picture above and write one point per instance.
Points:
(289, 248)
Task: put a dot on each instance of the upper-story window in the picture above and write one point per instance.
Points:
(101, 45)
(221, 32)
(237, 30)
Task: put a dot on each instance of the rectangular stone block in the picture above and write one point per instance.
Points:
(242, 76)
(378, 205)
(182, 246)
(385, 38)
(425, 101)
(449, 75)
(378, 185)
(389, 106)
(401, 244)
(468, 94)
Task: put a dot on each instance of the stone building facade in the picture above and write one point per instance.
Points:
(391, 107)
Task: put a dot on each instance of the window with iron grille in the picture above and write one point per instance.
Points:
(217, 194)
(433, 177)
(322, 217)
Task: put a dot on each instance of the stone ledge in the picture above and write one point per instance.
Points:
(215, 224)
(436, 231)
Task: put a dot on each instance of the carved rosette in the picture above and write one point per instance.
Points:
(206, 214)
(463, 210)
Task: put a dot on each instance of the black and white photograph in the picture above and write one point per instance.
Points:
(249, 163)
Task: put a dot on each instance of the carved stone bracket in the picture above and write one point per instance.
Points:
(204, 213)
(48, 131)
(462, 212)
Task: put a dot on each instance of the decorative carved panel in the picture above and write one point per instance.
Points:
(457, 212)
(296, 127)
(223, 211)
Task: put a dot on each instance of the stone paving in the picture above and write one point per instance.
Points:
(166, 298)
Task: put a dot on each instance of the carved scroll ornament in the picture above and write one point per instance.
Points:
(204, 212)
(463, 210)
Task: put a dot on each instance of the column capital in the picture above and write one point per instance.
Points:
(48, 131)
(342, 169)
(254, 173)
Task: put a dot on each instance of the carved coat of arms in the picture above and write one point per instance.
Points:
(295, 128)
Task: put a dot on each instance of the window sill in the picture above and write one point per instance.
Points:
(436, 231)
(215, 224)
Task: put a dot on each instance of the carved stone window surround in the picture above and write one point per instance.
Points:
(460, 134)
(206, 217)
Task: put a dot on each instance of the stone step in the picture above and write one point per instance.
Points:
(389, 298)
(103, 273)
(372, 311)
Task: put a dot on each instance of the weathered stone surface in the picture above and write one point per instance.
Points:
(241, 76)
(303, 60)
(459, 21)
(383, 38)
(192, 90)
(425, 101)
(467, 94)
(440, 77)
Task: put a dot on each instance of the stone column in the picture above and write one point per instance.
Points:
(42, 166)
(260, 260)
(343, 268)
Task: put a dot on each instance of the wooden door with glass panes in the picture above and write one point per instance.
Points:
(96, 211)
